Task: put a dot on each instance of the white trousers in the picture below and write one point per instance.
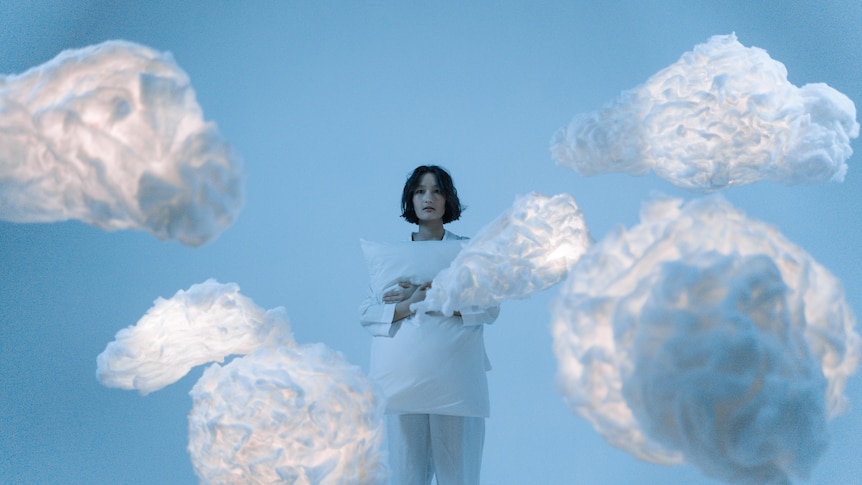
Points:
(424, 445)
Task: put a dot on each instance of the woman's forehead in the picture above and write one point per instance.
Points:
(428, 179)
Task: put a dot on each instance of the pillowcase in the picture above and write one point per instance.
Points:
(416, 261)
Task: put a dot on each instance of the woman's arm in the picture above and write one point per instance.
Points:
(381, 319)
(376, 317)
(402, 308)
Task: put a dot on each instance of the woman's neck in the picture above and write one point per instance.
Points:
(429, 233)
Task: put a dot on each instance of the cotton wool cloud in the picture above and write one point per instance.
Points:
(722, 115)
(113, 136)
(703, 336)
(300, 415)
(203, 324)
(278, 412)
(528, 248)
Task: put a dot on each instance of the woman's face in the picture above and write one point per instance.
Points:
(428, 200)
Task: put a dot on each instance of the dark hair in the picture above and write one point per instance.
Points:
(447, 187)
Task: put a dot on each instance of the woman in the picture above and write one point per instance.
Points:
(431, 367)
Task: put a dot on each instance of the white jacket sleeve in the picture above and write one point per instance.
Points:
(377, 317)
(479, 316)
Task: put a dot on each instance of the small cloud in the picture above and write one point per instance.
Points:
(528, 248)
(723, 115)
(203, 324)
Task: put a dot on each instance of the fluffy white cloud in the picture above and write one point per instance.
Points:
(112, 135)
(203, 324)
(528, 248)
(298, 415)
(277, 413)
(722, 115)
(703, 336)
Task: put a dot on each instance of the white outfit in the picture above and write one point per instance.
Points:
(429, 363)
(422, 444)
(432, 371)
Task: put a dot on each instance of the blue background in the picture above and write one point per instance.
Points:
(331, 104)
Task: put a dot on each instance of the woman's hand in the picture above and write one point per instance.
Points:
(402, 308)
(404, 291)
(419, 294)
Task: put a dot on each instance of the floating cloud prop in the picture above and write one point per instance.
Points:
(702, 336)
(528, 248)
(204, 324)
(722, 115)
(279, 415)
(112, 135)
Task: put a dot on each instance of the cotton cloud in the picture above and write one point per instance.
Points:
(287, 415)
(112, 135)
(703, 336)
(722, 115)
(528, 248)
(277, 412)
(204, 324)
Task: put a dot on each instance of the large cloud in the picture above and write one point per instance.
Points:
(722, 115)
(528, 248)
(287, 415)
(281, 412)
(112, 135)
(700, 335)
(204, 324)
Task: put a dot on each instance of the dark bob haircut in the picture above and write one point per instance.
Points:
(447, 187)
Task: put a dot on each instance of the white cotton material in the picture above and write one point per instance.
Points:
(705, 337)
(203, 324)
(723, 115)
(112, 135)
(528, 248)
(300, 415)
(281, 414)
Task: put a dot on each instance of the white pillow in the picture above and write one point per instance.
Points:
(416, 261)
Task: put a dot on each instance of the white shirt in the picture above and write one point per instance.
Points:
(428, 363)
